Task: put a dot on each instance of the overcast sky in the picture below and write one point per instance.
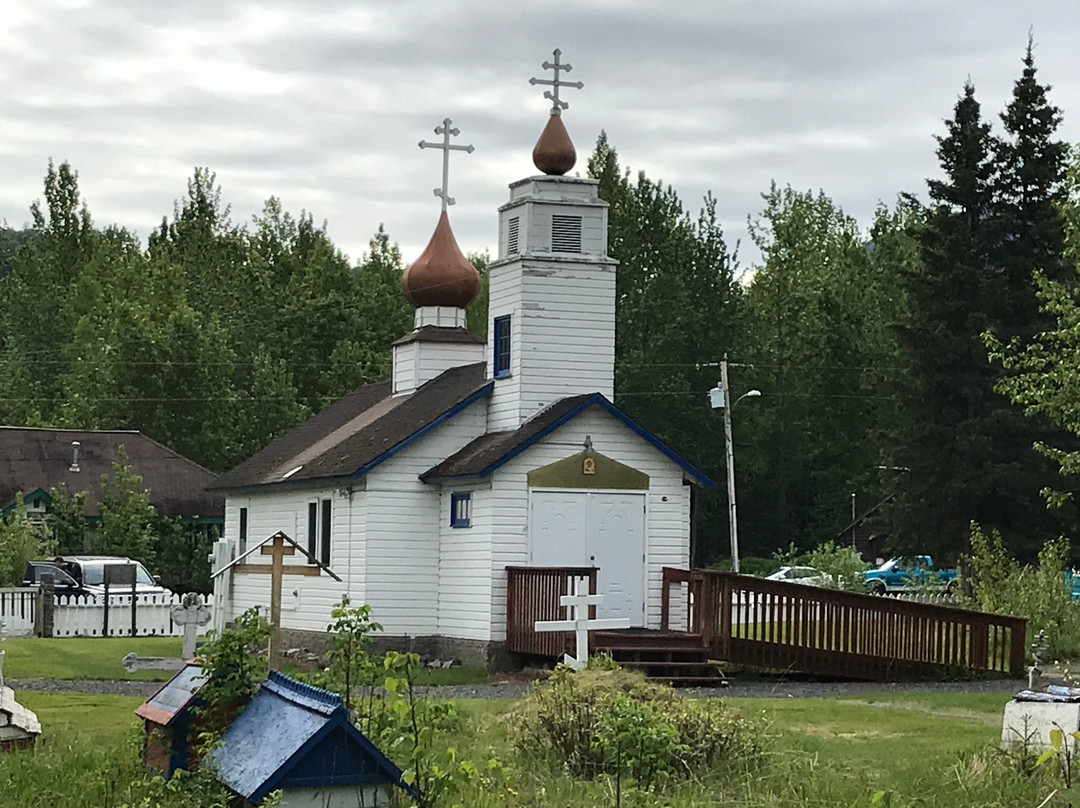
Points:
(322, 103)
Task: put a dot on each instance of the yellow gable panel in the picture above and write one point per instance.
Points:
(589, 470)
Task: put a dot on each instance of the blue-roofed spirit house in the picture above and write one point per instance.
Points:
(298, 739)
(461, 497)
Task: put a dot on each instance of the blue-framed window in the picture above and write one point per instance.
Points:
(461, 510)
(502, 347)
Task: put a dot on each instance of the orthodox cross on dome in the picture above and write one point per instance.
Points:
(446, 130)
(557, 106)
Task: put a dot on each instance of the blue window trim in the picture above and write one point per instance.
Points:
(501, 349)
(455, 500)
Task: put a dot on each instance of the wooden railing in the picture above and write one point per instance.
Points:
(532, 593)
(774, 624)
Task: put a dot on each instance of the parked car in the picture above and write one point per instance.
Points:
(798, 575)
(63, 583)
(905, 574)
(89, 571)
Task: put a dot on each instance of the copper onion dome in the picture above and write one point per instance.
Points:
(554, 152)
(442, 275)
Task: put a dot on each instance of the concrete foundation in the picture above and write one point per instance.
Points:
(470, 653)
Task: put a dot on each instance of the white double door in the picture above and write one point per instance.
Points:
(594, 529)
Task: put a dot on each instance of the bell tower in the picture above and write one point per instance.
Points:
(551, 315)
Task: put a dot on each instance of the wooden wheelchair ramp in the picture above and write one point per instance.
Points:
(807, 629)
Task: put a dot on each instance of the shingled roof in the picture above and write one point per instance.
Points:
(355, 434)
(481, 457)
(40, 459)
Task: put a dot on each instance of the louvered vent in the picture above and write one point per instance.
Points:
(512, 236)
(566, 234)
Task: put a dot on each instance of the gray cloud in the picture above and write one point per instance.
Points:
(322, 103)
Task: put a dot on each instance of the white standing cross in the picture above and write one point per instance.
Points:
(446, 130)
(578, 603)
(557, 106)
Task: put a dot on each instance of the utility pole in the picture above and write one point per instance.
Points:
(733, 519)
(720, 399)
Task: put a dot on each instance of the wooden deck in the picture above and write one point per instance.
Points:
(772, 624)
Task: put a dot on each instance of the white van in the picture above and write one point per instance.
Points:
(90, 572)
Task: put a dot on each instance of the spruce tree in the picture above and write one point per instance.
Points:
(1029, 190)
(969, 453)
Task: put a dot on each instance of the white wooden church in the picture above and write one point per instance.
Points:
(480, 461)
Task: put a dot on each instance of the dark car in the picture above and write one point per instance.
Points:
(64, 584)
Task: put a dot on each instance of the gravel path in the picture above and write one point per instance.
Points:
(744, 688)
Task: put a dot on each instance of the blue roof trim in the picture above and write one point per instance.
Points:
(615, 412)
(483, 392)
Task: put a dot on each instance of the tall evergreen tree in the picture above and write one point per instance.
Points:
(1030, 187)
(969, 454)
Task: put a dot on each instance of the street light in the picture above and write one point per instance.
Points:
(720, 399)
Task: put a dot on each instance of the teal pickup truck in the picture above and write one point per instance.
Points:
(906, 574)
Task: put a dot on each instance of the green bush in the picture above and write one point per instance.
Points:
(842, 566)
(1040, 594)
(596, 722)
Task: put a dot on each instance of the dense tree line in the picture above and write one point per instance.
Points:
(869, 344)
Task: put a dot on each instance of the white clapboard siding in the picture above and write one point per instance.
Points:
(667, 534)
(306, 601)
(403, 528)
(418, 362)
(84, 616)
(465, 567)
(17, 609)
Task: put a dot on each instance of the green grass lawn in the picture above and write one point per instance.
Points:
(924, 749)
(85, 657)
(70, 716)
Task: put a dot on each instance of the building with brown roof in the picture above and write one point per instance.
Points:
(478, 454)
(35, 461)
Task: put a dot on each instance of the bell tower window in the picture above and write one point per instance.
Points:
(502, 347)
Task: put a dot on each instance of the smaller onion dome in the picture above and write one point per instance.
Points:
(442, 275)
(554, 151)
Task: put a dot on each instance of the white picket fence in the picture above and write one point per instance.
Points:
(84, 615)
(17, 609)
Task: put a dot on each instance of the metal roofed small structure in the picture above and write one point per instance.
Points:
(169, 715)
(299, 739)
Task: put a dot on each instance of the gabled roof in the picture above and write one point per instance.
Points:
(175, 697)
(41, 459)
(293, 735)
(357, 433)
(481, 457)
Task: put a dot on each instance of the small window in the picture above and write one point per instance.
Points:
(243, 530)
(461, 510)
(313, 529)
(324, 543)
(512, 230)
(566, 234)
(502, 347)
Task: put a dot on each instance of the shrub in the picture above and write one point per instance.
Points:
(597, 722)
(21, 541)
(842, 567)
(1040, 594)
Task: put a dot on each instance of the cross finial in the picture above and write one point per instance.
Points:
(557, 106)
(446, 130)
